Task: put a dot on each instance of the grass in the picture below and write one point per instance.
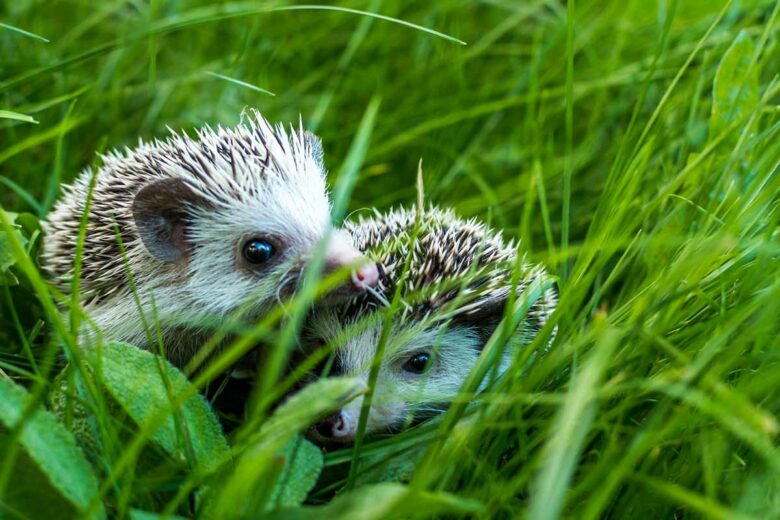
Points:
(633, 148)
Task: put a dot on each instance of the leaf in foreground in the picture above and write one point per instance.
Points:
(303, 465)
(7, 258)
(735, 89)
(134, 379)
(51, 477)
(265, 477)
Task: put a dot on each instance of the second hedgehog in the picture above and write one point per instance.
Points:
(211, 226)
(453, 295)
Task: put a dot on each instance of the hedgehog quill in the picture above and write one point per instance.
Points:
(210, 226)
(457, 285)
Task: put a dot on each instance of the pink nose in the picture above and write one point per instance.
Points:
(367, 275)
(341, 253)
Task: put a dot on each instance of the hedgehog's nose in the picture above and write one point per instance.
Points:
(336, 426)
(341, 253)
(367, 275)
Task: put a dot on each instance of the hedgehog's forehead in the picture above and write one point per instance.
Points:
(257, 179)
(449, 258)
(356, 342)
(238, 175)
(261, 189)
(229, 164)
(357, 337)
(358, 352)
(249, 178)
(294, 215)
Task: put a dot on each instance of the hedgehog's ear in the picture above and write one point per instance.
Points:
(160, 211)
(486, 316)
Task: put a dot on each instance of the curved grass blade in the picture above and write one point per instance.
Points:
(16, 116)
(372, 15)
(241, 83)
(200, 17)
(23, 32)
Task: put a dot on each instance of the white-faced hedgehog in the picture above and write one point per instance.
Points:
(453, 297)
(209, 226)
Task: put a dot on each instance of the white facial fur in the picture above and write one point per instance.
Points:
(281, 194)
(296, 215)
(398, 392)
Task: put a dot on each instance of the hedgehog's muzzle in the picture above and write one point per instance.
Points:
(340, 255)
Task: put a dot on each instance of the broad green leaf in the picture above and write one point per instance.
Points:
(28, 223)
(27, 229)
(735, 89)
(254, 483)
(51, 477)
(7, 258)
(382, 501)
(264, 481)
(132, 377)
(311, 403)
(396, 467)
(66, 401)
(303, 465)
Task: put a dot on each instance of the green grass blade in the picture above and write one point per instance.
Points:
(7, 114)
(241, 83)
(23, 32)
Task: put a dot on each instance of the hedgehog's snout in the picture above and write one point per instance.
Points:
(340, 254)
(336, 427)
(366, 275)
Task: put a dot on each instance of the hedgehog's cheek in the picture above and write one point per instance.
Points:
(386, 415)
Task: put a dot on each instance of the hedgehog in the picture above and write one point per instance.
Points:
(200, 229)
(453, 294)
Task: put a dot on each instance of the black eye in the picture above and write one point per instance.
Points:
(418, 363)
(258, 251)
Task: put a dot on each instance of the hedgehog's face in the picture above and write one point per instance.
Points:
(422, 369)
(256, 251)
(250, 251)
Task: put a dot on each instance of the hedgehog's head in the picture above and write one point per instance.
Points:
(421, 370)
(453, 298)
(244, 218)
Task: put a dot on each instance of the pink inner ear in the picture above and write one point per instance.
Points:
(180, 236)
(159, 211)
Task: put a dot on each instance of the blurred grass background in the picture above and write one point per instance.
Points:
(479, 114)
(671, 213)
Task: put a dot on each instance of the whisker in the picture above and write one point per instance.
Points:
(376, 293)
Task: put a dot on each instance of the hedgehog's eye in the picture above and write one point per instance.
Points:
(418, 363)
(258, 251)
